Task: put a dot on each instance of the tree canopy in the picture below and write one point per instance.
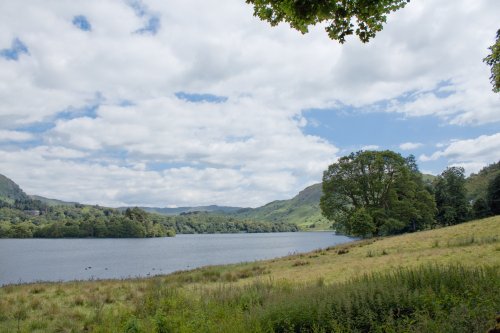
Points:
(493, 60)
(344, 17)
(451, 196)
(493, 195)
(371, 193)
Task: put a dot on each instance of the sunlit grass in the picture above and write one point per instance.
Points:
(238, 291)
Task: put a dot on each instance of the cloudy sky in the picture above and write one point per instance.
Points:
(184, 102)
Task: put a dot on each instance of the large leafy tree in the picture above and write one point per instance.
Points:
(493, 60)
(344, 17)
(371, 193)
(480, 208)
(493, 195)
(451, 196)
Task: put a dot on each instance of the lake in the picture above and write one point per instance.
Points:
(30, 260)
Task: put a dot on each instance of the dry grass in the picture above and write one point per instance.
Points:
(55, 307)
(469, 244)
(77, 306)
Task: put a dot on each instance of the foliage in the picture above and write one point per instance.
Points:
(477, 183)
(493, 196)
(362, 222)
(493, 60)
(374, 193)
(364, 18)
(100, 222)
(209, 223)
(450, 193)
(78, 221)
(480, 208)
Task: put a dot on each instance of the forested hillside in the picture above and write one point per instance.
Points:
(10, 191)
(302, 210)
(477, 183)
(34, 216)
(23, 216)
(52, 202)
(77, 221)
(206, 222)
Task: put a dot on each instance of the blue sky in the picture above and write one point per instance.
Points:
(354, 129)
(16, 49)
(140, 102)
(196, 98)
(82, 23)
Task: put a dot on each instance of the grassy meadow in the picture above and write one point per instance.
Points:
(443, 280)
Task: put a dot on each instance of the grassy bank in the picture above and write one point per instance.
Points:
(433, 281)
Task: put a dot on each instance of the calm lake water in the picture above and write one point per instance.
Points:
(29, 260)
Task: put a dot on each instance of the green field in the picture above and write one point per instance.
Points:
(443, 280)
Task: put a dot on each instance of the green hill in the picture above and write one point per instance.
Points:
(477, 184)
(182, 210)
(23, 216)
(302, 210)
(10, 191)
(428, 179)
(52, 202)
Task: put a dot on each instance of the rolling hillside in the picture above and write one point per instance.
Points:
(181, 210)
(477, 184)
(303, 210)
(10, 191)
(52, 202)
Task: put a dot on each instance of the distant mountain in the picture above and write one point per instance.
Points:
(477, 184)
(303, 210)
(24, 216)
(180, 210)
(428, 179)
(52, 202)
(10, 191)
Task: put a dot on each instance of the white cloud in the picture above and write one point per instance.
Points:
(256, 139)
(115, 185)
(237, 54)
(410, 145)
(58, 152)
(472, 154)
(6, 135)
(417, 51)
(370, 147)
(239, 136)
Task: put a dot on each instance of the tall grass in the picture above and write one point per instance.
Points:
(425, 299)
